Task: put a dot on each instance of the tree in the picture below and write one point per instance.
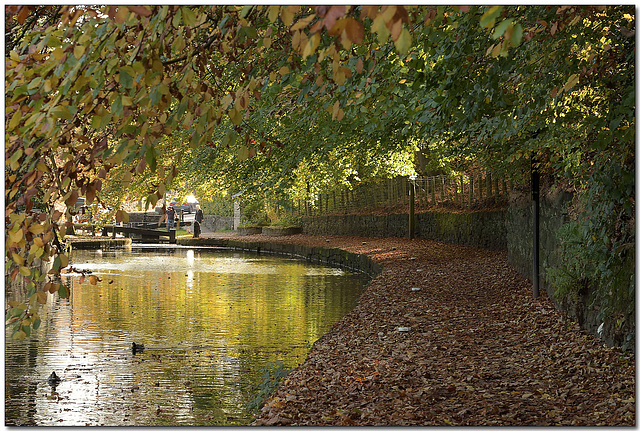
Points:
(89, 89)
(244, 96)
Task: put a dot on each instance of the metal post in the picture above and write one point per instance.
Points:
(412, 210)
(535, 196)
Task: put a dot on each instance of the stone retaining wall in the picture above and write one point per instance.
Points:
(519, 226)
(553, 214)
(280, 231)
(329, 256)
(216, 223)
(477, 229)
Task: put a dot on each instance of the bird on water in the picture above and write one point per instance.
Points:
(53, 379)
(137, 348)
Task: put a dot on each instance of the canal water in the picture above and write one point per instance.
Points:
(210, 321)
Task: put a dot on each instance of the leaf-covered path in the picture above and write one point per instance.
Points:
(479, 351)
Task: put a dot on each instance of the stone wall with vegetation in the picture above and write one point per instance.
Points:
(477, 229)
(519, 226)
(553, 215)
(217, 223)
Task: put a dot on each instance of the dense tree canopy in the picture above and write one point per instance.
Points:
(104, 101)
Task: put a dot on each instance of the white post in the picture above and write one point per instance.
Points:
(236, 215)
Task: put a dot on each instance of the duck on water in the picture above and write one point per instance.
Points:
(137, 348)
(53, 379)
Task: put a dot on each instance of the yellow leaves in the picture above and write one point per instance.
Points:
(188, 121)
(14, 162)
(179, 43)
(36, 228)
(17, 218)
(42, 167)
(243, 153)
(236, 116)
(287, 14)
(42, 297)
(93, 280)
(17, 258)
(298, 39)
(188, 16)
(494, 50)
(226, 101)
(341, 74)
(15, 120)
(64, 260)
(121, 14)
(122, 216)
(311, 46)
(303, 22)
(274, 11)
(15, 237)
(571, 82)
(337, 113)
(161, 189)
(382, 24)
(403, 43)
(62, 111)
(78, 51)
(284, 70)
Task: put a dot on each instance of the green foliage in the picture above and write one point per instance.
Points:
(272, 374)
(217, 205)
(598, 247)
(283, 103)
(254, 213)
(572, 277)
(287, 220)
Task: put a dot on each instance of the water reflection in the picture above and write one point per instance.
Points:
(209, 322)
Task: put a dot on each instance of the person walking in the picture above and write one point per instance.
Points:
(171, 216)
(196, 225)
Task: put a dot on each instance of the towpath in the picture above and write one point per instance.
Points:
(478, 349)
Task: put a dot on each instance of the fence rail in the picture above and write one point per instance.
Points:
(462, 191)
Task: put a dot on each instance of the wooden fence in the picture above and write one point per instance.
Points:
(462, 191)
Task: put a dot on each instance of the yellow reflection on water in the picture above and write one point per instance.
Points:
(209, 323)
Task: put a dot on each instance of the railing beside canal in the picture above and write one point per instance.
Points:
(394, 194)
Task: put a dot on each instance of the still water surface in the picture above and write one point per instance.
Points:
(209, 320)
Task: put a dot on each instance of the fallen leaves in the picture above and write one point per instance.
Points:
(481, 351)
